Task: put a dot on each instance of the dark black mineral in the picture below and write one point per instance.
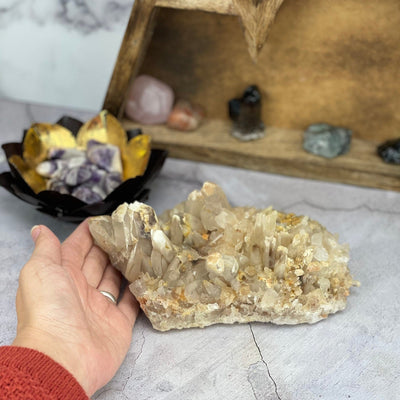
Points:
(389, 151)
(245, 112)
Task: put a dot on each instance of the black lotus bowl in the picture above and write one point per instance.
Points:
(67, 207)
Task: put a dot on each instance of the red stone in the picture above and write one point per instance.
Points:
(185, 116)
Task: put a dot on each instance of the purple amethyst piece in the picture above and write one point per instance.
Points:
(106, 156)
(99, 190)
(86, 194)
(112, 181)
(78, 175)
(98, 176)
(58, 186)
(64, 154)
(76, 161)
(52, 168)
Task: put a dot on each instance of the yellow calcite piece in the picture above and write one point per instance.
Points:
(43, 136)
(135, 156)
(31, 177)
(103, 128)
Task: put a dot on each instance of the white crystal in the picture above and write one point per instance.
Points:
(205, 262)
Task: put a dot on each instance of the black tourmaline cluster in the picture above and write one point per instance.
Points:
(245, 112)
(390, 151)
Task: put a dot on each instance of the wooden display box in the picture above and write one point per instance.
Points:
(323, 61)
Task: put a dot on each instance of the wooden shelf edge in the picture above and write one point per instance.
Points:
(279, 152)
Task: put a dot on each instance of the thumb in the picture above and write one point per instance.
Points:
(47, 246)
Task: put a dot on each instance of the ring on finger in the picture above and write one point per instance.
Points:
(109, 296)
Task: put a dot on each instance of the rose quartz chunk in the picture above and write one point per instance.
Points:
(149, 100)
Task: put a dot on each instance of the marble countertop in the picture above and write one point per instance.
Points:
(354, 354)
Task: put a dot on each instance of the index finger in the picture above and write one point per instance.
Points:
(77, 246)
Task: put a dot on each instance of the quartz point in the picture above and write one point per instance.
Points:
(245, 112)
(204, 262)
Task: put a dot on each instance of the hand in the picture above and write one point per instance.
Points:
(62, 313)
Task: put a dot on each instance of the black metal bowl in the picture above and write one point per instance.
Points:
(67, 207)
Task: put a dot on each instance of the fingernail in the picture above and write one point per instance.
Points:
(35, 232)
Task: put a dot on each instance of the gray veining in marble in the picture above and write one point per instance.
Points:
(83, 15)
(60, 51)
(354, 354)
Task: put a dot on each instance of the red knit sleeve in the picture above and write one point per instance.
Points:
(30, 375)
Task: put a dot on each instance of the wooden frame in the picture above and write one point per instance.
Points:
(281, 150)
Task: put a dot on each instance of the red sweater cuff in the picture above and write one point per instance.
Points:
(26, 371)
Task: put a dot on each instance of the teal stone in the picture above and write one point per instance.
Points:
(326, 140)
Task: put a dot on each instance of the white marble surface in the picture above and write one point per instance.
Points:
(60, 52)
(354, 354)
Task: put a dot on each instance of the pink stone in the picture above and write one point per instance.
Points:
(185, 116)
(149, 100)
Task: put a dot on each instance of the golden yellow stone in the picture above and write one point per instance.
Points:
(103, 128)
(41, 137)
(31, 177)
(135, 156)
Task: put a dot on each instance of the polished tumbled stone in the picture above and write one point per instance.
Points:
(326, 140)
(149, 100)
(185, 116)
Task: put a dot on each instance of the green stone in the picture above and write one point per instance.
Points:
(326, 140)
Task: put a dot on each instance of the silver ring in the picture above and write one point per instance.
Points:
(109, 296)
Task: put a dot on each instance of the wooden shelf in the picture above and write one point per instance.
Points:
(280, 151)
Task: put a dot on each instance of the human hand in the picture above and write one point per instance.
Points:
(62, 313)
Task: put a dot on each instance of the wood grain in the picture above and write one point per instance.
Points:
(257, 17)
(217, 6)
(324, 61)
(132, 50)
(279, 152)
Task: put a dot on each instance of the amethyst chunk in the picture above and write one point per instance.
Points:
(86, 194)
(78, 175)
(64, 154)
(112, 181)
(58, 186)
(106, 156)
(52, 168)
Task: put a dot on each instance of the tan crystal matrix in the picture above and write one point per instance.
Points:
(205, 262)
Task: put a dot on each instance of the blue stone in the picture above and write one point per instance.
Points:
(326, 140)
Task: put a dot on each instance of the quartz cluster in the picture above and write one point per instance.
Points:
(205, 262)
